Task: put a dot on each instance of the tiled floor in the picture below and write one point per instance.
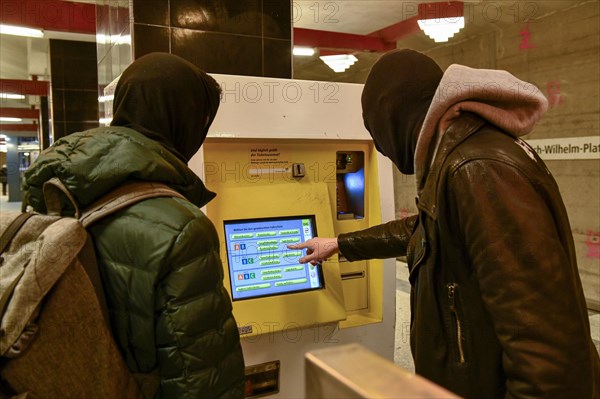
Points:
(402, 355)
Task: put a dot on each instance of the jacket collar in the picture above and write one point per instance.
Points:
(457, 132)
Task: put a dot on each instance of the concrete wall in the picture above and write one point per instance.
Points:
(559, 53)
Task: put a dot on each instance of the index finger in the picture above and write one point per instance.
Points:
(301, 245)
(310, 258)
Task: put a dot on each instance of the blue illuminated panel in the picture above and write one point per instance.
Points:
(260, 264)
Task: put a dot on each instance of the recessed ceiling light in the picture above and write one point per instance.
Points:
(441, 29)
(339, 63)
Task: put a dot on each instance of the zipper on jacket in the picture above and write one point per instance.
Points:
(413, 266)
(454, 310)
(422, 252)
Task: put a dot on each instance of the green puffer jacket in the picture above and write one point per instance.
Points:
(159, 261)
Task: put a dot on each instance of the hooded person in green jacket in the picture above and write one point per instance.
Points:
(159, 259)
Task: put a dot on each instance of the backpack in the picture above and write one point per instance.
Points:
(55, 336)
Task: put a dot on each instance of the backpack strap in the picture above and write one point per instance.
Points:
(12, 230)
(53, 190)
(124, 196)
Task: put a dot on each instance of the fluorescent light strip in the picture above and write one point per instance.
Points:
(303, 51)
(11, 96)
(104, 99)
(113, 39)
(20, 31)
(8, 119)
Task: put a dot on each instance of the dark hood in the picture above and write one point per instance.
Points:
(395, 100)
(167, 99)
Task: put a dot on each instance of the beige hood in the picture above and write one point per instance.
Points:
(503, 100)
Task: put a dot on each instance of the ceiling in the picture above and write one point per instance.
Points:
(368, 16)
(22, 57)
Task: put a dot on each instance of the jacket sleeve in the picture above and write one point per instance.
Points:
(528, 284)
(387, 240)
(198, 346)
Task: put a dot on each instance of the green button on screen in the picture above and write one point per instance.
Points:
(292, 254)
(289, 232)
(269, 262)
(241, 235)
(272, 277)
(253, 287)
(266, 234)
(293, 269)
(290, 282)
(293, 240)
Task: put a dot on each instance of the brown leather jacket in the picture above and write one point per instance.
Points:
(497, 305)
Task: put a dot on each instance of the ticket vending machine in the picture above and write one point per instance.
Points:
(290, 160)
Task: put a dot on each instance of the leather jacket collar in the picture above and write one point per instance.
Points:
(457, 132)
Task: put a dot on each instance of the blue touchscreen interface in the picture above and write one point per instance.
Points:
(260, 264)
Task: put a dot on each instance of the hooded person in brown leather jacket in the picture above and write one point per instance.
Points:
(497, 306)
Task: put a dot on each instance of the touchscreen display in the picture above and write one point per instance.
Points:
(260, 264)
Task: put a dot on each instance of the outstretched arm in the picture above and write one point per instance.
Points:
(387, 240)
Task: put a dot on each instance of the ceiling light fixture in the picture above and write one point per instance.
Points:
(20, 31)
(104, 99)
(113, 39)
(340, 62)
(303, 51)
(11, 96)
(441, 29)
(8, 119)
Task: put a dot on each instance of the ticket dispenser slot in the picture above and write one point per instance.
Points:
(355, 285)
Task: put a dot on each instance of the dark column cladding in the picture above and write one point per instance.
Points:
(13, 173)
(74, 79)
(252, 37)
(45, 123)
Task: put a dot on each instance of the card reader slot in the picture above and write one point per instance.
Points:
(352, 275)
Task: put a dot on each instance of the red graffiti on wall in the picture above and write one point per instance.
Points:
(526, 35)
(593, 244)
(555, 98)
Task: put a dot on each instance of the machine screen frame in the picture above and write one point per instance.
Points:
(232, 273)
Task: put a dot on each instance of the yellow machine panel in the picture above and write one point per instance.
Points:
(336, 181)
